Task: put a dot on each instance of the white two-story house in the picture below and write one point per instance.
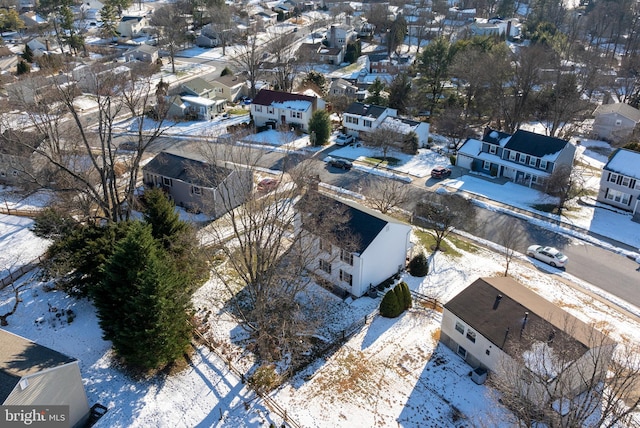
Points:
(359, 250)
(361, 117)
(275, 108)
(620, 182)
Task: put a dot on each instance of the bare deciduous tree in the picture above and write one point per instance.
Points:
(384, 194)
(443, 213)
(566, 183)
(249, 58)
(173, 30)
(79, 150)
(509, 238)
(561, 382)
(267, 255)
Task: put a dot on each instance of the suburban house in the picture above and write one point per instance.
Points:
(361, 117)
(620, 182)
(143, 53)
(361, 250)
(404, 127)
(341, 35)
(275, 108)
(32, 19)
(230, 87)
(41, 45)
(32, 374)
(196, 100)
(497, 323)
(381, 63)
(8, 60)
(131, 26)
(342, 87)
(318, 52)
(18, 161)
(615, 122)
(525, 157)
(198, 185)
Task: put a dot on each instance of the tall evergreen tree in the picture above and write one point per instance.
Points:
(27, 55)
(375, 93)
(161, 214)
(142, 302)
(320, 127)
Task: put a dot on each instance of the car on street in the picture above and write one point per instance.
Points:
(340, 163)
(267, 184)
(440, 172)
(549, 255)
(344, 139)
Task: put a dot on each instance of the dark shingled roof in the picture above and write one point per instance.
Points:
(188, 170)
(266, 97)
(363, 109)
(476, 306)
(361, 225)
(493, 136)
(20, 357)
(535, 144)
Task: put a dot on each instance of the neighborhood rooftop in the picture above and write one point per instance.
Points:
(188, 170)
(267, 97)
(362, 109)
(535, 144)
(625, 162)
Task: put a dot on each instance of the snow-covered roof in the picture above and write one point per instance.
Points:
(625, 162)
(198, 100)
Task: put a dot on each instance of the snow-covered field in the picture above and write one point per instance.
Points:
(390, 373)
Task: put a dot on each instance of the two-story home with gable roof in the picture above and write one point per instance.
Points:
(230, 87)
(620, 182)
(197, 99)
(358, 252)
(497, 324)
(198, 185)
(615, 122)
(131, 26)
(525, 157)
(361, 117)
(275, 108)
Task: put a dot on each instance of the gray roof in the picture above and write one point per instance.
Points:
(476, 306)
(231, 80)
(20, 357)
(192, 171)
(622, 109)
(198, 85)
(361, 225)
(363, 109)
(535, 144)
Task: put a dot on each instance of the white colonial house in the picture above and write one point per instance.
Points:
(275, 108)
(359, 251)
(361, 117)
(496, 323)
(620, 182)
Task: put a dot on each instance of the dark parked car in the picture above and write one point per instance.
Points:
(340, 163)
(440, 172)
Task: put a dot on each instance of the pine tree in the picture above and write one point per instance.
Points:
(320, 127)
(23, 67)
(27, 55)
(419, 266)
(390, 307)
(142, 302)
(406, 295)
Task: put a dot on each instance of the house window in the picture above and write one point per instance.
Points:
(325, 266)
(522, 158)
(459, 327)
(532, 161)
(324, 245)
(462, 352)
(296, 115)
(543, 164)
(196, 190)
(534, 178)
(367, 123)
(471, 335)
(346, 277)
(619, 197)
(488, 352)
(270, 110)
(257, 108)
(493, 149)
(3, 174)
(167, 181)
(486, 165)
(626, 181)
(353, 120)
(512, 155)
(346, 257)
(15, 173)
(618, 122)
(613, 178)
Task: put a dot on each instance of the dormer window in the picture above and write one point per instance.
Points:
(532, 161)
(522, 158)
(493, 149)
(512, 155)
(543, 164)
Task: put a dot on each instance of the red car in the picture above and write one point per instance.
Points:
(267, 184)
(440, 172)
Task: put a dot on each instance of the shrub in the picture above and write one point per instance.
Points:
(452, 159)
(406, 295)
(265, 378)
(419, 266)
(390, 307)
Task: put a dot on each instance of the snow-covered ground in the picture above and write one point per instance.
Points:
(390, 373)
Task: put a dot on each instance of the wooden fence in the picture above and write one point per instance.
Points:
(22, 270)
(31, 213)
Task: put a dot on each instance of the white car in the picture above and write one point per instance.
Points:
(549, 255)
(343, 139)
